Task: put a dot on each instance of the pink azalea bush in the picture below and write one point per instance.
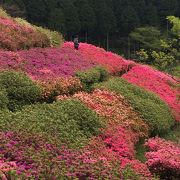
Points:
(45, 64)
(16, 34)
(124, 128)
(115, 109)
(34, 157)
(11, 23)
(157, 82)
(6, 169)
(163, 158)
(114, 63)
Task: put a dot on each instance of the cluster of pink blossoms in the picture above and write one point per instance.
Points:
(114, 63)
(124, 128)
(164, 157)
(157, 82)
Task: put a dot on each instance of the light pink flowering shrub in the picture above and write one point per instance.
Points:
(163, 158)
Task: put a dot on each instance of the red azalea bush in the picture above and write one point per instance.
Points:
(114, 63)
(124, 128)
(157, 82)
(163, 158)
(115, 109)
(117, 143)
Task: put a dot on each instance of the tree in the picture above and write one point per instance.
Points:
(175, 21)
(106, 20)
(57, 20)
(129, 20)
(73, 24)
(151, 15)
(87, 17)
(166, 8)
(36, 11)
(148, 37)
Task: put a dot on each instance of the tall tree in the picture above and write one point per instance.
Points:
(73, 24)
(151, 15)
(57, 20)
(87, 17)
(166, 8)
(129, 20)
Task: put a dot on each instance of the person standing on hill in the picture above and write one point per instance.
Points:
(76, 42)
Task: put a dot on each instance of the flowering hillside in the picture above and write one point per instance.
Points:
(47, 63)
(65, 115)
(114, 63)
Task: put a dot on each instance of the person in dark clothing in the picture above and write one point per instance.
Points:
(76, 42)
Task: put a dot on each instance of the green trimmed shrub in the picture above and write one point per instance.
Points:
(21, 90)
(70, 121)
(154, 111)
(55, 38)
(91, 76)
(3, 98)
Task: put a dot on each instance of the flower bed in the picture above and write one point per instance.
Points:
(157, 82)
(34, 157)
(116, 109)
(114, 63)
(45, 64)
(124, 128)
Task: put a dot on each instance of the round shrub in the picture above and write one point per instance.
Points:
(3, 98)
(70, 121)
(91, 76)
(21, 90)
(153, 110)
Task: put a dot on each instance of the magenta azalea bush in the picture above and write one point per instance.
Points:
(114, 63)
(45, 64)
(31, 156)
(163, 158)
(157, 82)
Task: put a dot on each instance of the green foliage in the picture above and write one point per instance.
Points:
(70, 121)
(152, 109)
(57, 20)
(148, 36)
(3, 98)
(55, 38)
(176, 71)
(142, 55)
(162, 60)
(128, 173)
(91, 76)
(21, 90)
(176, 24)
(23, 22)
(3, 13)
